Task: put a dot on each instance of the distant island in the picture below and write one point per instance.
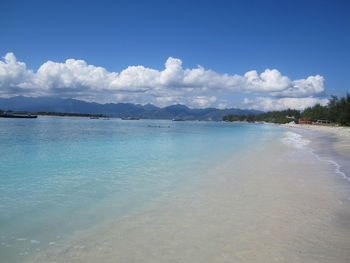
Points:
(73, 107)
(53, 114)
(337, 112)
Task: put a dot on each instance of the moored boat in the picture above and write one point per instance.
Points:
(12, 115)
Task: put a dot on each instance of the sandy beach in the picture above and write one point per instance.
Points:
(278, 204)
(342, 135)
(338, 130)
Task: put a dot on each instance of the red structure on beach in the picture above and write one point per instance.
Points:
(305, 122)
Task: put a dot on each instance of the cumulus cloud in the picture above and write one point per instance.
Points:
(313, 85)
(14, 76)
(197, 87)
(272, 103)
(268, 81)
(75, 75)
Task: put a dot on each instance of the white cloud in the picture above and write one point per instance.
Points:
(271, 103)
(313, 85)
(202, 101)
(197, 87)
(73, 76)
(134, 78)
(14, 76)
(268, 81)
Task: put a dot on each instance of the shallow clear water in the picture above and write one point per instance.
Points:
(61, 175)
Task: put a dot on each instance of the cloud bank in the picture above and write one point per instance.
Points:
(197, 87)
(271, 104)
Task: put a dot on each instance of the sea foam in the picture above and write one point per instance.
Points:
(294, 140)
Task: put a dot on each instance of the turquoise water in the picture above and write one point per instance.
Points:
(61, 175)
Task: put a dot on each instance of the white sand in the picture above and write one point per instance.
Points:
(342, 134)
(276, 205)
(338, 130)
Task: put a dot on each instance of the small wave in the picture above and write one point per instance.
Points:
(297, 141)
(335, 164)
(294, 140)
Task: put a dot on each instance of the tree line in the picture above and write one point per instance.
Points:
(337, 111)
(61, 114)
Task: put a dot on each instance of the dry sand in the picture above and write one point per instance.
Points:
(279, 204)
(338, 130)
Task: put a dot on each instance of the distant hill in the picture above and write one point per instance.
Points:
(148, 111)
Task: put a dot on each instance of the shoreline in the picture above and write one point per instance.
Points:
(287, 207)
(342, 134)
(328, 142)
(340, 131)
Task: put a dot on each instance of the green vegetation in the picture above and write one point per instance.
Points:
(55, 114)
(272, 116)
(336, 112)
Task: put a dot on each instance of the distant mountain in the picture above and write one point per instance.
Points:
(148, 111)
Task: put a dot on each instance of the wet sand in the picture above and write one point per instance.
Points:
(329, 142)
(342, 135)
(278, 204)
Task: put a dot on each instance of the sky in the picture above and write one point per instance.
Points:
(265, 55)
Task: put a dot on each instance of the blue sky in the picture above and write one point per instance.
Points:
(298, 39)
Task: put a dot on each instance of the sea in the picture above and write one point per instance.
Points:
(61, 176)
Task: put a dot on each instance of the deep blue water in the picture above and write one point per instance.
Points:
(59, 175)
